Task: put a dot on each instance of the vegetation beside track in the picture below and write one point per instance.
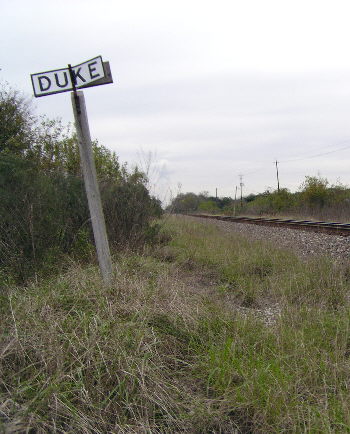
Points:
(180, 343)
(315, 199)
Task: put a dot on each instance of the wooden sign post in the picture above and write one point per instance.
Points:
(91, 185)
(91, 73)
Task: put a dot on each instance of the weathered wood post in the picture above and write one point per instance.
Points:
(91, 185)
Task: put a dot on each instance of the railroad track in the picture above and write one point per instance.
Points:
(333, 228)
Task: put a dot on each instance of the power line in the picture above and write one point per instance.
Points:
(254, 171)
(343, 148)
(317, 155)
(301, 158)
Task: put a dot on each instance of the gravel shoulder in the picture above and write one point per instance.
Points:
(304, 243)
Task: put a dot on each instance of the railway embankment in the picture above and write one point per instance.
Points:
(305, 241)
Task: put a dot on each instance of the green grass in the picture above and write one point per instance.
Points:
(179, 343)
(256, 272)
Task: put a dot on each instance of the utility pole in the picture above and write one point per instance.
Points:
(234, 204)
(278, 181)
(241, 185)
(216, 193)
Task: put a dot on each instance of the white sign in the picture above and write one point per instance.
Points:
(49, 82)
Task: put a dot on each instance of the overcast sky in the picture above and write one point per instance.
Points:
(212, 89)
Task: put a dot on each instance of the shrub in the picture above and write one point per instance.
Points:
(314, 191)
(44, 213)
(209, 206)
(38, 214)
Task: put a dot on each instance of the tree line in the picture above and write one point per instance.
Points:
(314, 198)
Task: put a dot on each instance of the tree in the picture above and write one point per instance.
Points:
(314, 191)
(184, 202)
(225, 202)
(17, 121)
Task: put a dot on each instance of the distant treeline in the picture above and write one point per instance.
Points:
(43, 213)
(315, 199)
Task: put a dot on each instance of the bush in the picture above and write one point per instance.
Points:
(209, 206)
(44, 213)
(271, 202)
(128, 207)
(39, 214)
(314, 191)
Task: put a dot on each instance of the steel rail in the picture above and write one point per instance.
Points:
(333, 228)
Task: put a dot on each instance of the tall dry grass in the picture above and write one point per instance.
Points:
(181, 342)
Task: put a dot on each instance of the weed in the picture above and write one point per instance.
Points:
(167, 349)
